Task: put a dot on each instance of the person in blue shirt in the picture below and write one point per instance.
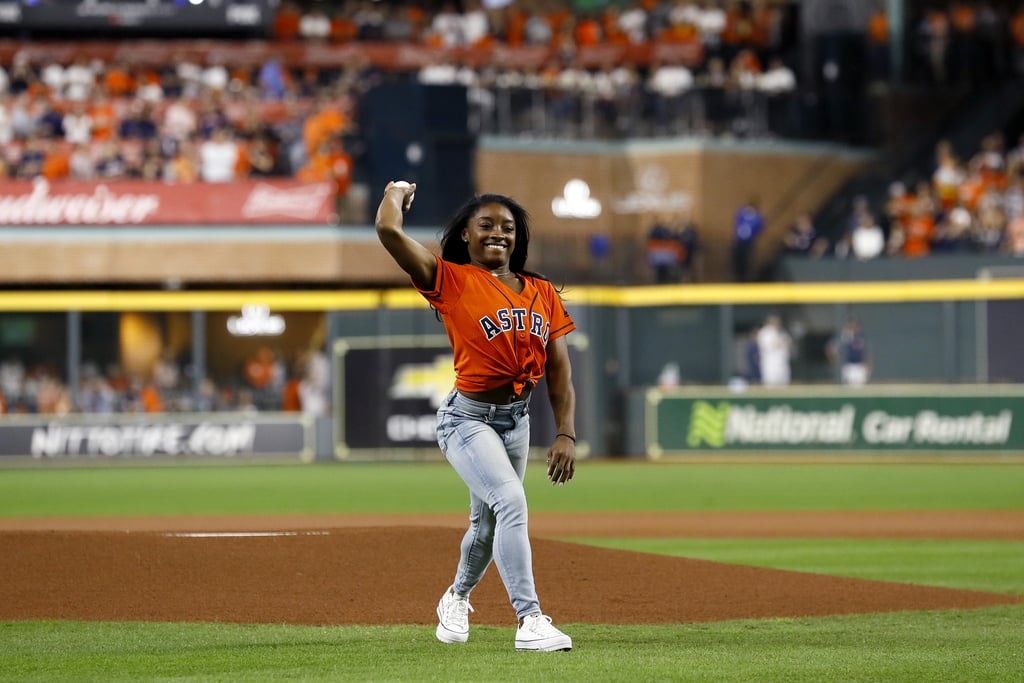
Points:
(747, 227)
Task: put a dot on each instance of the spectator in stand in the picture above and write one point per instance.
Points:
(632, 21)
(877, 44)
(30, 164)
(47, 121)
(118, 80)
(476, 28)
(669, 83)
(260, 369)
(915, 239)
(778, 83)
(52, 76)
(446, 26)
(286, 21)
(1013, 198)
(138, 124)
(103, 115)
(151, 163)
(211, 116)
(716, 88)
(329, 163)
(898, 207)
(110, 164)
(218, 157)
(938, 36)
(79, 80)
(272, 79)
(1015, 236)
(56, 160)
(327, 121)
(81, 164)
(664, 253)
(183, 167)
(748, 225)
(691, 249)
(369, 17)
(179, 119)
(537, 30)
(77, 124)
(802, 238)
(953, 231)
(343, 27)
(148, 86)
(990, 229)
(6, 122)
(315, 26)
(262, 162)
(867, 241)
(215, 77)
(189, 74)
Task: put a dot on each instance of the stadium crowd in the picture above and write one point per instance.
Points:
(269, 379)
(963, 204)
(207, 120)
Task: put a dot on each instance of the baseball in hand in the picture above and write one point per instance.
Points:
(404, 185)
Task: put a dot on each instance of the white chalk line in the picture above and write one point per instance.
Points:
(243, 534)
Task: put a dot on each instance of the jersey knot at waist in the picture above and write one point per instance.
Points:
(511, 393)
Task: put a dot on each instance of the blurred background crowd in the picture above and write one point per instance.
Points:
(712, 69)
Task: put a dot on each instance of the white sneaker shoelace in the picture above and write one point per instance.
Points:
(456, 611)
(540, 624)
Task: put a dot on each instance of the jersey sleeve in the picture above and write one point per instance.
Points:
(561, 322)
(446, 289)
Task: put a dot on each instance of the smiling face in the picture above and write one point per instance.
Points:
(490, 234)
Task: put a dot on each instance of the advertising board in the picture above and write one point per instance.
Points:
(905, 419)
(388, 390)
(213, 436)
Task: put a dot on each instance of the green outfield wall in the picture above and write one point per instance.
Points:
(388, 348)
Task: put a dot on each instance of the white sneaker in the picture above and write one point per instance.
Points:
(539, 635)
(453, 617)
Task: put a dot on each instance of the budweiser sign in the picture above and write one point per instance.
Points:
(302, 203)
(136, 202)
(97, 206)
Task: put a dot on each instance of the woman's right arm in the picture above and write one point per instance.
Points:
(410, 255)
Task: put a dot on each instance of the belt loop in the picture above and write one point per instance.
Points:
(490, 412)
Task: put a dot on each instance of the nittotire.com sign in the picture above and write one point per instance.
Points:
(199, 436)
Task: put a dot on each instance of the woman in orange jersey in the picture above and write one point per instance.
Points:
(507, 328)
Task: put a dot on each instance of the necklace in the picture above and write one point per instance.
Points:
(503, 275)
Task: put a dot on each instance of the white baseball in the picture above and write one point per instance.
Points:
(401, 183)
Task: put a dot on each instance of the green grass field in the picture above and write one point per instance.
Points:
(975, 645)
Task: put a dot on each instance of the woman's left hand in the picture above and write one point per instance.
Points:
(561, 461)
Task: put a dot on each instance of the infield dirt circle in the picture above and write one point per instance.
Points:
(391, 570)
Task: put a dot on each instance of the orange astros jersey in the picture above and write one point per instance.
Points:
(498, 336)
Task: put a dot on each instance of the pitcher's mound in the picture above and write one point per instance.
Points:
(395, 575)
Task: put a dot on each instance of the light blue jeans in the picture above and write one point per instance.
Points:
(488, 446)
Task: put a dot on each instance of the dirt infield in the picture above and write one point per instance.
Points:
(390, 570)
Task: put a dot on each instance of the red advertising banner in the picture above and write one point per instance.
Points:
(129, 202)
(400, 56)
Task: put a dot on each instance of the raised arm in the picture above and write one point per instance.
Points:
(411, 256)
(562, 454)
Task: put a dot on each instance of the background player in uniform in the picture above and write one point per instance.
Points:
(850, 351)
(507, 327)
